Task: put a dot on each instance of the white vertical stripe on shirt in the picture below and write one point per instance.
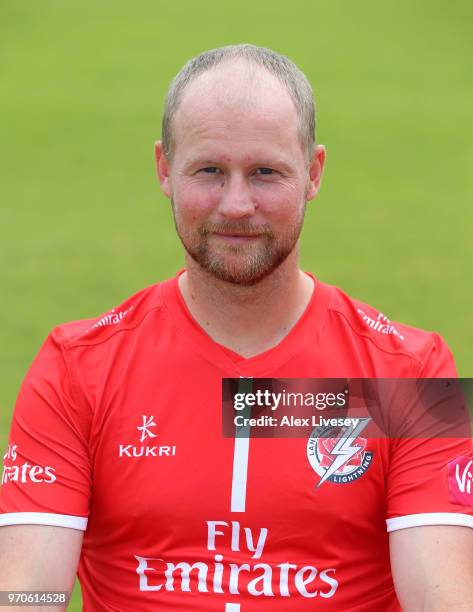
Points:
(240, 474)
(240, 455)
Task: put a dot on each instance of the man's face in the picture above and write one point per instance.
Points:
(238, 179)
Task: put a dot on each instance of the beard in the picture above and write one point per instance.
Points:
(239, 264)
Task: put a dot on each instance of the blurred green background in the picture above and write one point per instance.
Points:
(83, 224)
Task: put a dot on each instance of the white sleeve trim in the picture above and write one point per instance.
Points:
(430, 518)
(43, 518)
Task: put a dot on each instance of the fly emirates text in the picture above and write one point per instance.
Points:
(233, 563)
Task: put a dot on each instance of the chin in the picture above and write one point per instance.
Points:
(236, 265)
(242, 275)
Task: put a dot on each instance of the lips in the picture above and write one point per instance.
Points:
(228, 235)
(236, 237)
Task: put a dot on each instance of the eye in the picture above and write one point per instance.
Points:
(265, 171)
(210, 170)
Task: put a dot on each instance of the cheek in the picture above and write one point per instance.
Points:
(283, 203)
(194, 201)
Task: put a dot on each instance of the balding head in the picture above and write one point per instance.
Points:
(234, 91)
(241, 77)
(235, 84)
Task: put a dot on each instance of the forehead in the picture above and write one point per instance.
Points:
(235, 102)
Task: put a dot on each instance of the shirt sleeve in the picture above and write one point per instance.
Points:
(46, 476)
(430, 480)
(437, 360)
(430, 483)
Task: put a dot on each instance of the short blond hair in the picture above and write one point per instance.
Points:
(276, 64)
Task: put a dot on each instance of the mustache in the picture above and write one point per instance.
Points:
(236, 227)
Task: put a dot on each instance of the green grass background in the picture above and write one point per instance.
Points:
(83, 224)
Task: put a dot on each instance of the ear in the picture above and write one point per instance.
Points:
(163, 169)
(315, 172)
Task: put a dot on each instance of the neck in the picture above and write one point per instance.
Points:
(247, 320)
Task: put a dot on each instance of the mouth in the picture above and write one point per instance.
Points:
(236, 238)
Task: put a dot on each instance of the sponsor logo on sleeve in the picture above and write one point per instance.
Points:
(460, 480)
(11, 452)
(26, 472)
(111, 318)
(341, 459)
(146, 430)
(381, 324)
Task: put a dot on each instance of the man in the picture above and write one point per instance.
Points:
(116, 446)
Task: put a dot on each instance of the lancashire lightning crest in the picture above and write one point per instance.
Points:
(340, 459)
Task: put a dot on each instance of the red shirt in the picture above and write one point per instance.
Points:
(118, 431)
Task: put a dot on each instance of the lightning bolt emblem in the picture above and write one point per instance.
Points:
(344, 449)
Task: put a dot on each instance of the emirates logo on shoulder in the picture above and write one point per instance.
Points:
(111, 318)
(26, 472)
(146, 429)
(381, 324)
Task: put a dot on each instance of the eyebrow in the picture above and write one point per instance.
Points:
(203, 162)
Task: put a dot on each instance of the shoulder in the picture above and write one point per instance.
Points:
(369, 323)
(124, 317)
(378, 333)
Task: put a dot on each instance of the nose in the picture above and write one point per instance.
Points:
(236, 199)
